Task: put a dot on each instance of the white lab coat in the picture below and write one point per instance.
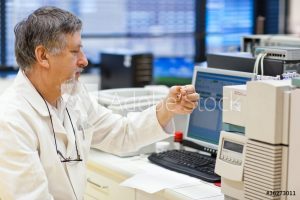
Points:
(29, 165)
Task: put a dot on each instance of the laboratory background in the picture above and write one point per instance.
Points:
(242, 56)
(177, 33)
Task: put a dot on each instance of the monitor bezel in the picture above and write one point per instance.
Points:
(225, 72)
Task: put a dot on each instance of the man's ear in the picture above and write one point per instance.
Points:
(41, 55)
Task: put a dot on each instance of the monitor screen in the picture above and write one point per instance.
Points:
(173, 71)
(205, 122)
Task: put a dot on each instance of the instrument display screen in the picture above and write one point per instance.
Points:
(233, 146)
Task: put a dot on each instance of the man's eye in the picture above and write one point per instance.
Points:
(75, 51)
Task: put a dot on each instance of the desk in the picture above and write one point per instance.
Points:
(106, 171)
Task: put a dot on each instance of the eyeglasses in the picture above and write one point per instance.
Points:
(64, 159)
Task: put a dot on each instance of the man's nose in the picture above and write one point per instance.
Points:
(82, 61)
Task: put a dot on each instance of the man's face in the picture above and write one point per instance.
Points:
(66, 65)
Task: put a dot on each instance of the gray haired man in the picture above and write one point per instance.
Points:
(44, 138)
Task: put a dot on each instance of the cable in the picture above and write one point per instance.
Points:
(262, 63)
(256, 64)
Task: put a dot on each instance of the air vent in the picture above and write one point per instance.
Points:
(263, 170)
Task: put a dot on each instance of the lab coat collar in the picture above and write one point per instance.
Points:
(28, 91)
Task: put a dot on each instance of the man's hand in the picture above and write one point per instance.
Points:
(180, 100)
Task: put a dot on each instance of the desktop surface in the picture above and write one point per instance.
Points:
(119, 169)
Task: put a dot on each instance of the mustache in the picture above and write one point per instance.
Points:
(78, 69)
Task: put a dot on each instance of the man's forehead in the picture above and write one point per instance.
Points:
(74, 40)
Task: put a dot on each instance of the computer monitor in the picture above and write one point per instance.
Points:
(205, 122)
(173, 70)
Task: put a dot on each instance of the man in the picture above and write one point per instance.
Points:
(48, 122)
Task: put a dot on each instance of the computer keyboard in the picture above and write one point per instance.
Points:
(187, 162)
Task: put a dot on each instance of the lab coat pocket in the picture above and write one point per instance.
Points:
(86, 135)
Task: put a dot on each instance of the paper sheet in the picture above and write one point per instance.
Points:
(157, 180)
(201, 191)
